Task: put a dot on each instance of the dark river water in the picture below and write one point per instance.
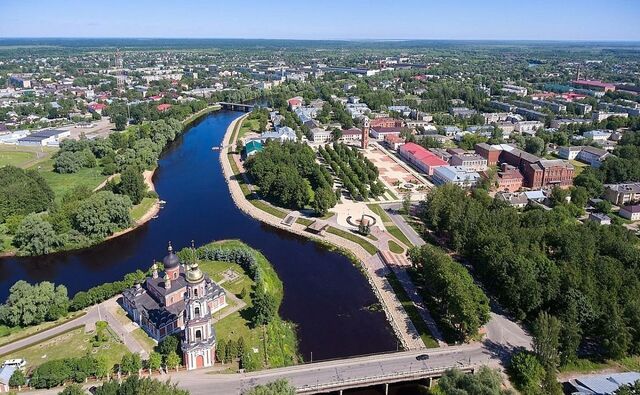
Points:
(324, 294)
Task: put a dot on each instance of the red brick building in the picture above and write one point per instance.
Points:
(488, 152)
(386, 123)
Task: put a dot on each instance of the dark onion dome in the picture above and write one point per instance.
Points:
(171, 261)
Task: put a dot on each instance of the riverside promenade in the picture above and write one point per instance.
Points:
(404, 329)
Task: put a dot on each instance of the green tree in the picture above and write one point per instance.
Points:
(631, 389)
(172, 360)
(132, 184)
(526, 372)
(278, 387)
(155, 361)
(406, 203)
(35, 236)
(323, 200)
(73, 389)
(546, 340)
(264, 306)
(67, 162)
(120, 120)
(23, 192)
(221, 351)
(534, 145)
(102, 214)
(485, 381)
(17, 379)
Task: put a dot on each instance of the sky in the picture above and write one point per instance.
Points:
(607, 20)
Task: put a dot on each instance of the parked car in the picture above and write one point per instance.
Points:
(19, 363)
(422, 357)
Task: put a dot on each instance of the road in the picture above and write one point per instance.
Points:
(338, 371)
(392, 210)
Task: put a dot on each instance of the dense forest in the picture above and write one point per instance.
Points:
(585, 275)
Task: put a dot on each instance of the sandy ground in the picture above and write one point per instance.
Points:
(101, 128)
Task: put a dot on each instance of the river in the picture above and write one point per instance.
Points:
(324, 294)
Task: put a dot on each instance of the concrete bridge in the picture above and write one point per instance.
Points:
(236, 106)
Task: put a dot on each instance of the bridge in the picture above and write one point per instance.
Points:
(236, 106)
(342, 374)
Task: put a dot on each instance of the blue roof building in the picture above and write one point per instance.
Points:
(252, 147)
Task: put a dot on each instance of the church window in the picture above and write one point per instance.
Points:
(198, 335)
(197, 312)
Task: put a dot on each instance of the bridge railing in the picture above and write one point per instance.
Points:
(382, 378)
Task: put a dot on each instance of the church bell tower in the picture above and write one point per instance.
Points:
(199, 343)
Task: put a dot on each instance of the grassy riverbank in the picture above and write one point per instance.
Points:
(269, 346)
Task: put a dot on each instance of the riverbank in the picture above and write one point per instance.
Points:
(369, 263)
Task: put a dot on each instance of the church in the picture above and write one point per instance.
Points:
(184, 299)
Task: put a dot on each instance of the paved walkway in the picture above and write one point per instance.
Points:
(107, 311)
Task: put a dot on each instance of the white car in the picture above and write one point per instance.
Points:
(19, 363)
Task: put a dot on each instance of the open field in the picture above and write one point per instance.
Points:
(139, 210)
(62, 183)
(8, 335)
(23, 156)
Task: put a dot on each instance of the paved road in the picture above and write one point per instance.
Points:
(392, 210)
(310, 375)
(88, 319)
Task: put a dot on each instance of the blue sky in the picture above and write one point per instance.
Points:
(325, 19)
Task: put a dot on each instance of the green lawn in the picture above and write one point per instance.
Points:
(395, 247)
(370, 248)
(74, 343)
(20, 156)
(248, 125)
(380, 212)
(61, 183)
(141, 336)
(304, 221)
(141, 209)
(397, 233)
(412, 312)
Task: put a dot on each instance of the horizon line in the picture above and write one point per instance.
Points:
(320, 39)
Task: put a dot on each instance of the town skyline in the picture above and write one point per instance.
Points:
(351, 20)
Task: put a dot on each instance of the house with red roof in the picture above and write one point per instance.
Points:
(295, 102)
(97, 107)
(595, 85)
(163, 107)
(421, 158)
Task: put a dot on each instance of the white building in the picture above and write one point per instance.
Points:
(320, 135)
(457, 175)
(49, 137)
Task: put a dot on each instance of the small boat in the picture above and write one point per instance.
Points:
(162, 202)
(154, 217)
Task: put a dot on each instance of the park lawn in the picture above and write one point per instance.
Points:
(62, 183)
(370, 248)
(304, 221)
(397, 233)
(24, 157)
(145, 341)
(376, 208)
(266, 207)
(395, 247)
(248, 125)
(412, 312)
(74, 343)
(139, 210)
(9, 335)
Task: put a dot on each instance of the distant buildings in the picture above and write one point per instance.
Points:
(385, 122)
(594, 85)
(630, 212)
(602, 384)
(282, 134)
(471, 161)
(514, 90)
(381, 133)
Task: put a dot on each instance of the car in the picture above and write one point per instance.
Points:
(422, 357)
(19, 363)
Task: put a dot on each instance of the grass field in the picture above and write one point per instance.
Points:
(141, 336)
(62, 183)
(75, 343)
(22, 156)
(141, 209)
(370, 248)
(412, 312)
